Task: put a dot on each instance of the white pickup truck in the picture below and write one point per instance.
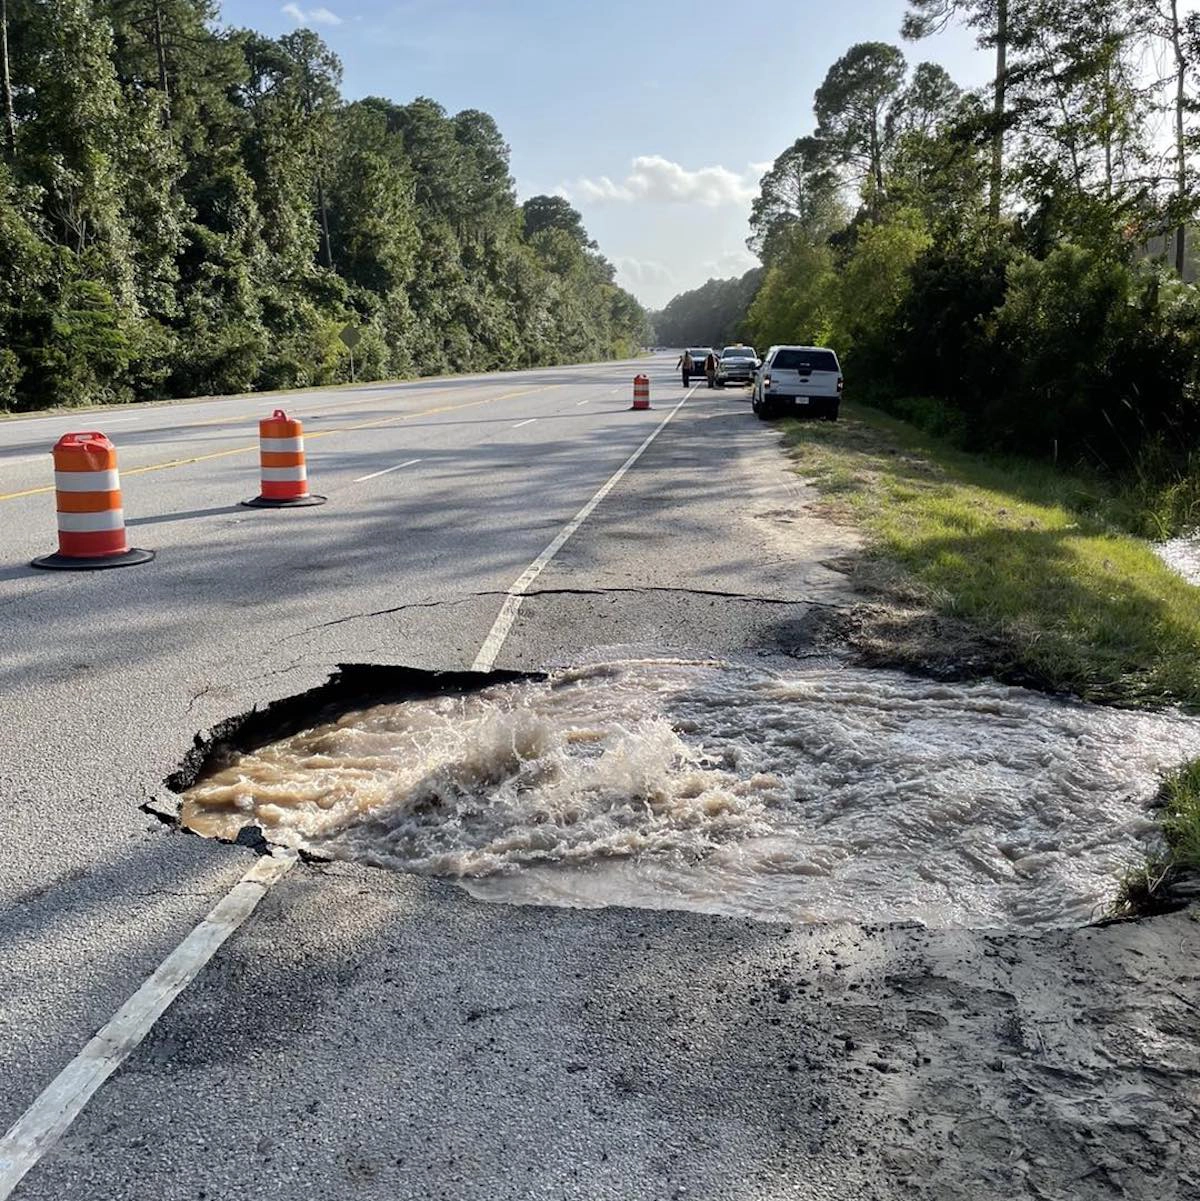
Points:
(798, 379)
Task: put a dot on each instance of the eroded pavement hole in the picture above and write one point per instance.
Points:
(817, 794)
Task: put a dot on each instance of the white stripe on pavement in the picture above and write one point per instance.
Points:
(45, 1121)
(376, 474)
(528, 421)
(486, 658)
(40, 1127)
(580, 402)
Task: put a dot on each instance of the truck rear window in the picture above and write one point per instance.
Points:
(805, 360)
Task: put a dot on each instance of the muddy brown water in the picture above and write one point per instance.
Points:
(810, 795)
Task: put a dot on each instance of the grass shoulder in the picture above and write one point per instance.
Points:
(1172, 874)
(1030, 559)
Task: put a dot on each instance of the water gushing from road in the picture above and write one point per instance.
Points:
(811, 795)
(1183, 555)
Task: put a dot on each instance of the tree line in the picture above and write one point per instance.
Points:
(187, 209)
(1010, 265)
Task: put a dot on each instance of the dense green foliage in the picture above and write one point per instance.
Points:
(186, 209)
(1009, 267)
(711, 315)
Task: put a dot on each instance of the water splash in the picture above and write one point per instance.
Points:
(1182, 555)
(804, 796)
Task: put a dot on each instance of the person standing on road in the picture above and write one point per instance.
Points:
(710, 368)
(688, 364)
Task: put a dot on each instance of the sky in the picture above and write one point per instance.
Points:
(655, 118)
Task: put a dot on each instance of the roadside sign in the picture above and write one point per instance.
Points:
(351, 336)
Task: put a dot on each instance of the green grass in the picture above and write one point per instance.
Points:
(1031, 557)
(1147, 888)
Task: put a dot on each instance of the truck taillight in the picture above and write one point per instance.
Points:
(841, 382)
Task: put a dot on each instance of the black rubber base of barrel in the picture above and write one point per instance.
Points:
(301, 502)
(639, 408)
(128, 558)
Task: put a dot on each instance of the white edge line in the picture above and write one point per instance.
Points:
(40, 1127)
(375, 474)
(37, 1130)
(503, 624)
(528, 421)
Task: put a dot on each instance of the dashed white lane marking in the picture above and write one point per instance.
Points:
(376, 474)
(580, 402)
(492, 644)
(44, 1122)
(40, 1127)
(528, 421)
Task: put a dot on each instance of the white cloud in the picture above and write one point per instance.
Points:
(314, 16)
(731, 262)
(643, 273)
(658, 180)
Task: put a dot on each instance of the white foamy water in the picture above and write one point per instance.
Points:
(1182, 555)
(813, 795)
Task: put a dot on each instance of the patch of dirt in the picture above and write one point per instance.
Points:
(910, 638)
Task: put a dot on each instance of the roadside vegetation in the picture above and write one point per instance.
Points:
(1172, 874)
(189, 209)
(1020, 257)
(1035, 563)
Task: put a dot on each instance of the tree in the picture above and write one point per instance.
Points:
(372, 217)
(6, 96)
(1181, 33)
(800, 189)
(927, 102)
(798, 295)
(553, 212)
(186, 209)
(711, 315)
(317, 74)
(854, 107)
(992, 18)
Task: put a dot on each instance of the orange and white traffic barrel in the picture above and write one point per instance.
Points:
(91, 519)
(641, 392)
(283, 472)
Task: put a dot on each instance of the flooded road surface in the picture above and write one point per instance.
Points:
(810, 795)
(1182, 554)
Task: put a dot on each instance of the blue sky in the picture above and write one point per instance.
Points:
(611, 103)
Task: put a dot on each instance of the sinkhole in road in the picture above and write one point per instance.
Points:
(802, 795)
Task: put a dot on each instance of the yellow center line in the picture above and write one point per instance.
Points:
(341, 429)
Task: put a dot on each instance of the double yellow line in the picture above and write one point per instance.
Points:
(253, 446)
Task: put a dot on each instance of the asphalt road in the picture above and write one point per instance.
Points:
(369, 1034)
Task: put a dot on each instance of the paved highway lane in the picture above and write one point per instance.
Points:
(107, 675)
(440, 495)
(370, 1034)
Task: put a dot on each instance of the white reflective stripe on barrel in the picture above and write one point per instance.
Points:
(88, 481)
(281, 445)
(283, 475)
(91, 523)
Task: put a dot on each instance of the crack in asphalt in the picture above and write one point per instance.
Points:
(641, 590)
